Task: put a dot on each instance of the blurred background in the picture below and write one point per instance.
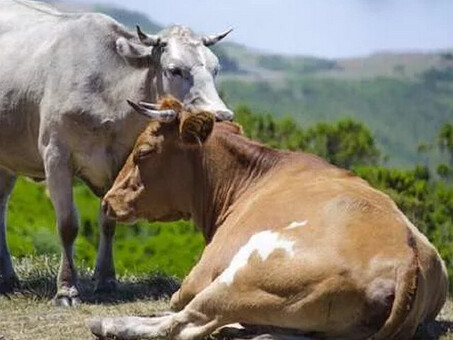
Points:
(366, 84)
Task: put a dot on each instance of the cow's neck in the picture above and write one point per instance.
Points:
(229, 164)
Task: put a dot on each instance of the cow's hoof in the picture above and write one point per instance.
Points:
(67, 297)
(106, 286)
(8, 284)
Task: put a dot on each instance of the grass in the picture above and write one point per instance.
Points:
(28, 314)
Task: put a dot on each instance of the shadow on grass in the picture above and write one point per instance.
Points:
(433, 330)
(38, 281)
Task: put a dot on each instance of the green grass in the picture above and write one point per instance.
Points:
(139, 248)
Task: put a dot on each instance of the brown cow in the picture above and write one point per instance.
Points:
(294, 244)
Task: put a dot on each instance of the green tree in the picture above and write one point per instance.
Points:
(445, 143)
(345, 143)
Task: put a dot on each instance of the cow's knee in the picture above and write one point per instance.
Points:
(175, 301)
(184, 295)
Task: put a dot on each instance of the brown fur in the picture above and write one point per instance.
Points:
(360, 268)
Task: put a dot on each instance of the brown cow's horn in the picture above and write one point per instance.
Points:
(151, 106)
(159, 115)
(213, 39)
(149, 40)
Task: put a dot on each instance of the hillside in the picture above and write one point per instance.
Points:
(403, 97)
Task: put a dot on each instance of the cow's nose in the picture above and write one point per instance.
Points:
(224, 115)
(107, 209)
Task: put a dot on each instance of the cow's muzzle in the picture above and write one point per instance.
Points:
(113, 213)
(224, 115)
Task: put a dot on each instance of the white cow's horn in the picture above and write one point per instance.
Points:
(213, 39)
(147, 39)
(159, 115)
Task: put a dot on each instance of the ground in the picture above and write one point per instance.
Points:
(29, 314)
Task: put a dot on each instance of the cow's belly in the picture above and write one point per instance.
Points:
(19, 144)
(97, 158)
(96, 168)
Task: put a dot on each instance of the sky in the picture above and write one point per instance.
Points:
(323, 28)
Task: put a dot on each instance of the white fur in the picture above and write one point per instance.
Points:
(264, 243)
(297, 224)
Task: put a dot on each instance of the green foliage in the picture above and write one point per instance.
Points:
(139, 248)
(344, 143)
(445, 140)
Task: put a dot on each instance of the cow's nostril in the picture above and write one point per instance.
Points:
(107, 209)
(224, 115)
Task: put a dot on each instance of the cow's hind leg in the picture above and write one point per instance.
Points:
(105, 269)
(8, 278)
(59, 181)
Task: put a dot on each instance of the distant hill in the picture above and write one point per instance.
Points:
(403, 97)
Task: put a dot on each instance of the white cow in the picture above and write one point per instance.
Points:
(64, 79)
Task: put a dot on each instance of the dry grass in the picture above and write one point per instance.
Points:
(29, 314)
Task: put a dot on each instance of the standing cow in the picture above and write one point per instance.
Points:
(64, 79)
(294, 244)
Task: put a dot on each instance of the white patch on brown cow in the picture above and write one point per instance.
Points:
(264, 243)
(297, 224)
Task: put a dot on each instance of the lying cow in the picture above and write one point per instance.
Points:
(293, 243)
(63, 80)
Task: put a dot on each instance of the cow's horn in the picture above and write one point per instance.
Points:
(151, 106)
(195, 128)
(159, 115)
(213, 39)
(149, 40)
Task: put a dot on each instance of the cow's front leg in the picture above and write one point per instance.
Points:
(8, 278)
(105, 269)
(59, 180)
(201, 276)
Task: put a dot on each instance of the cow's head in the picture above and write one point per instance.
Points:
(158, 171)
(183, 65)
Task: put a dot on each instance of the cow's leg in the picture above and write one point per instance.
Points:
(8, 278)
(193, 322)
(200, 277)
(59, 180)
(105, 269)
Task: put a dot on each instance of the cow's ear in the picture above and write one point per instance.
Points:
(132, 51)
(195, 128)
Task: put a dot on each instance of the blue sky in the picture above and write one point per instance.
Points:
(326, 28)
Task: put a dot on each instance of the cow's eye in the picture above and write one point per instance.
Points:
(215, 72)
(142, 152)
(175, 71)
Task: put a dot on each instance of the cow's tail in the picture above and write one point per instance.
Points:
(399, 325)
